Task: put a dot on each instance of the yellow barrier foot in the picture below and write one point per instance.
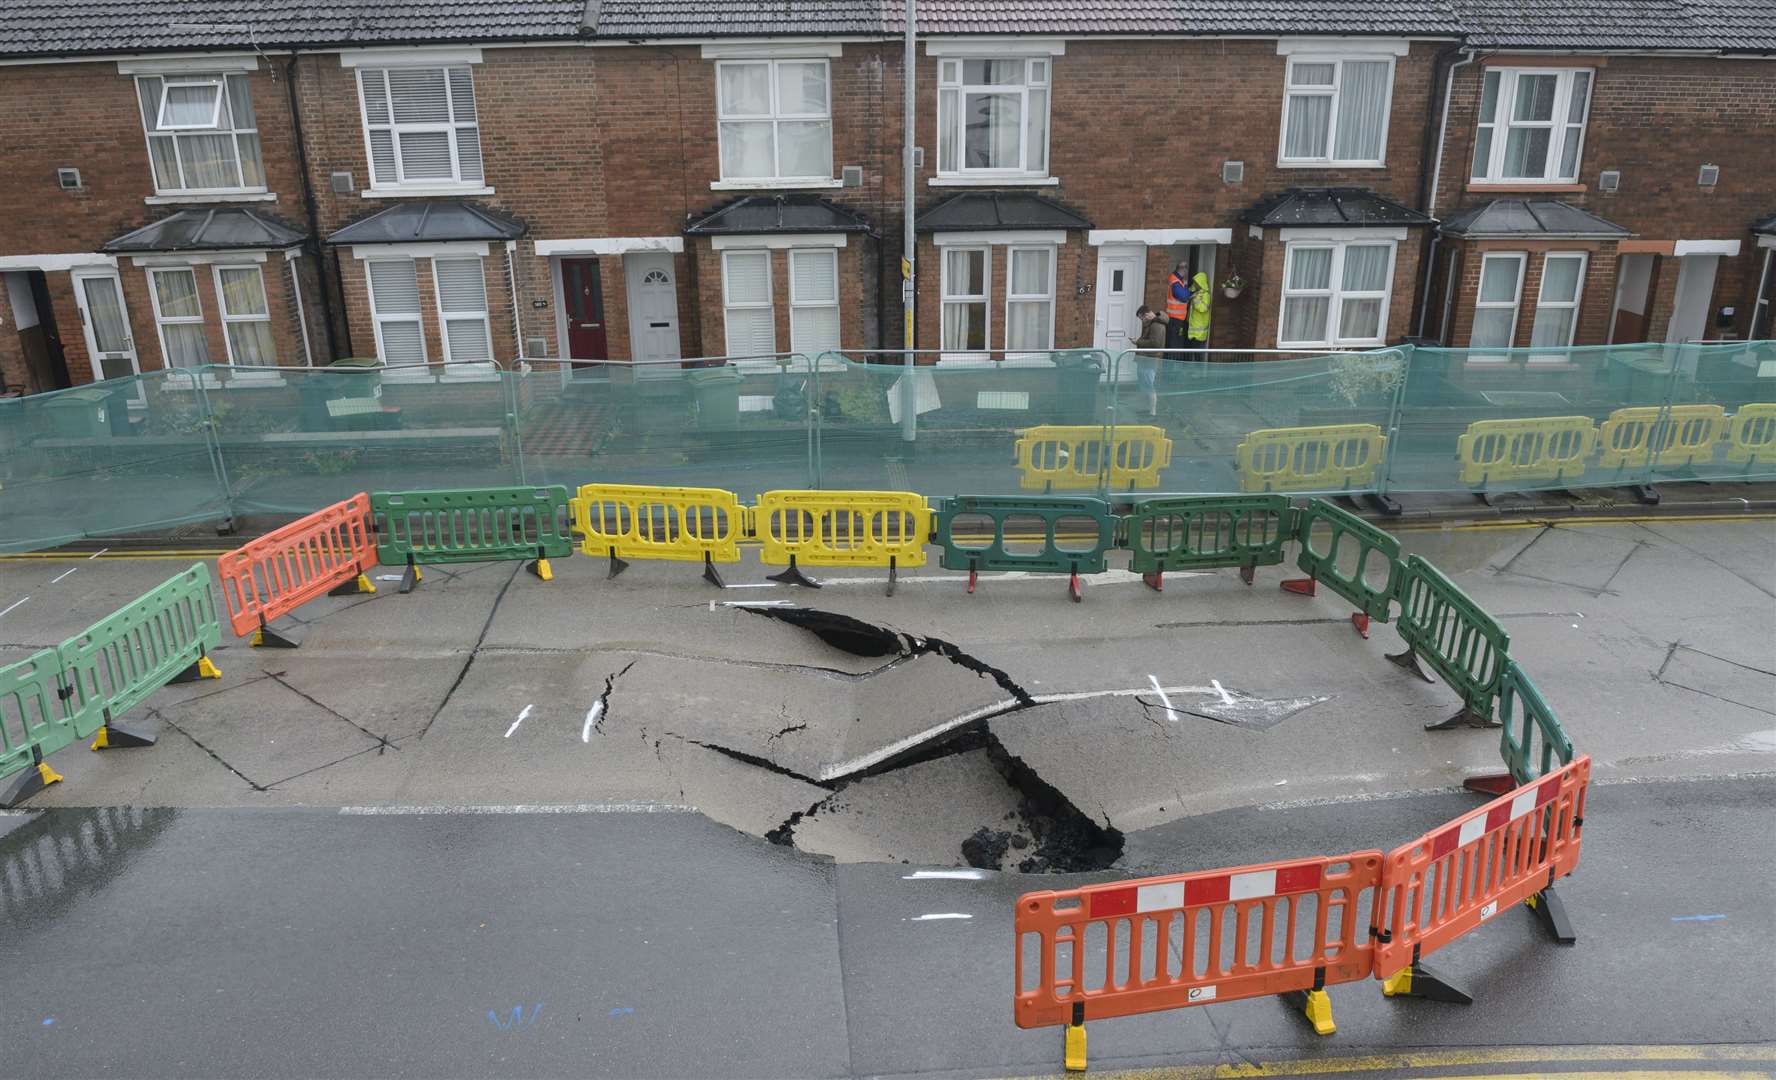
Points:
(1419, 981)
(1409, 661)
(267, 638)
(1073, 1055)
(202, 669)
(31, 781)
(1316, 1005)
(542, 569)
(206, 668)
(359, 584)
(709, 573)
(1550, 911)
(794, 576)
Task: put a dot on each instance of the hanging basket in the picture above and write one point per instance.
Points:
(1232, 293)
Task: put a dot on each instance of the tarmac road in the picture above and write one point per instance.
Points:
(307, 942)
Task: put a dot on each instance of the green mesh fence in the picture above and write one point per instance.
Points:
(168, 448)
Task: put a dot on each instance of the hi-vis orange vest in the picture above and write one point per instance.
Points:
(1176, 309)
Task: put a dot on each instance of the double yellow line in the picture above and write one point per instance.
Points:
(1717, 1062)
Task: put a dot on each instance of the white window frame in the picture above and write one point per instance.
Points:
(451, 127)
(1543, 303)
(213, 82)
(984, 299)
(377, 318)
(1336, 93)
(776, 116)
(1011, 253)
(1335, 293)
(798, 304)
(952, 84)
(222, 311)
(162, 321)
(1516, 305)
(233, 131)
(1501, 125)
(769, 304)
(445, 318)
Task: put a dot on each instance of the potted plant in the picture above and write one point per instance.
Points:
(1233, 286)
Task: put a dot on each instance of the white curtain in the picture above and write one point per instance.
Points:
(746, 148)
(804, 148)
(994, 124)
(965, 325)
(1310, 268)
(176, 290)
(1362, 110)
(1027, 325)
(209, 161)
(1304, 318)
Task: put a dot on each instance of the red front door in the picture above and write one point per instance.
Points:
(583, 292)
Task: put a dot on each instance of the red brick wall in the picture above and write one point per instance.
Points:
(1657, 120)
(1595, 302)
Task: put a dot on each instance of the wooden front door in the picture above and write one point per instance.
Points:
(582, 292)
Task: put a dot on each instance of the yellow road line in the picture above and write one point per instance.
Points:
(1536, 523)
(1471, 1058)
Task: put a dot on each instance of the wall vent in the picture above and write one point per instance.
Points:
(68, 179)
(1708, 176)
(1233, 172)
(342, 183)
(1609, 180)
(851, 176)
(535, 347)
(918, 157)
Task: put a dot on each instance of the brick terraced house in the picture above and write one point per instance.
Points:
(295, 181)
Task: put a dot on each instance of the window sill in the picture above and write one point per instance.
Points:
(441, 373)
(1331, 164)
(994, 181)
(421, 192)
(238, 379)
(219, 197)
(773, 185)
(1505, 187)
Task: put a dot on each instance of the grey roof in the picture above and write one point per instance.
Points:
(1427, 17)
(1766, 226)
(1531, 218)
(1342, 207)
(228, 229)
(429, 222)
(1729, 25)
(715, 18)
(753, 214)
(992, 211)
(86, 27)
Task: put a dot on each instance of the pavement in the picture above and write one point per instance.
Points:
(626, 779)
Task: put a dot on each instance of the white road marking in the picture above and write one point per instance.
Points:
(14, 604)
(944, 875)
(755, 585)
(1136, 691)
(518, 721)
(1171, 713)
(1226, 698)
(591, 718)
(388, 577)
(96, 554)
(530, 808)
(1112, 576)
(935, 916)
(757, 603)
(63, 574)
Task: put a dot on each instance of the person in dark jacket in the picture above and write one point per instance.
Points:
(1154, 327)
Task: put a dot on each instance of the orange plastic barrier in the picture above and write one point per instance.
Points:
(1449, 881)
(282, 570)
(1191, 939)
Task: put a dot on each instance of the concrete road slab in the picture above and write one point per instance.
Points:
(173, 772)
(266, 731)
(45, 601)
(1583, 559)
(920, 814)
(389, 696)
(444, 614)
(1735, 681)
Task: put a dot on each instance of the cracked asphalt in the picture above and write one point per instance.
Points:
(585, 739)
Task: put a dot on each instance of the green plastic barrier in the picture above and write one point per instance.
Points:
(163, 636)
(1200, 532)
(33, 721)
(1341, 530)
(1529, 724)
(414, 528)
(1082, 554)
(1461, 642)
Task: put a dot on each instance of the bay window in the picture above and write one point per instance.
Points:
(394, 310)
(1557, 303)
(203, 137)
(1336, 293)
(774, 119)
(813, 301)
(420, 126)
(246, 317)
(1495, 306)
(1029, 298)
(992, 117)
(1532, 125)
(1335, 111)
(178, 315)
(746, 303)
(965, 273)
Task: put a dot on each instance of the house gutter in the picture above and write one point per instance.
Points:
(1428, 199)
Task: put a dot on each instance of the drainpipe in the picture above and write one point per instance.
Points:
(512, 280)
(308, 205)
(1429, 199)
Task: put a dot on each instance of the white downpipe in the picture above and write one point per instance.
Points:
(909, 394)
(512, 281)
(1424, 307)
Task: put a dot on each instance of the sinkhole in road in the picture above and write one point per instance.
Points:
(1042, 832)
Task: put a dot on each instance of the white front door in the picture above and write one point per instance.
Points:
(1695, 288)
(99, 296)
(653, 307)
(1122, 276)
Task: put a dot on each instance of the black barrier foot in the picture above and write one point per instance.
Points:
(203, 669)
(709, 573)
(359, 584)
(1550, 911)
(267, 638)
(794, 576)
(410, 577)
(31, 781)
(1419, 981)
(893, 573)
(1646, 493)
(617, 565)
(111, 736)
(1409, 661)
(1465, 718)
(1386, 505)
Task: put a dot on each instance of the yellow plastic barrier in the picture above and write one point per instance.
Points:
(1751, 435)
(1337, 457)
(841, 528)
(1543, 448)
(1057, 458)
(641, 522)
(1680, 435)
